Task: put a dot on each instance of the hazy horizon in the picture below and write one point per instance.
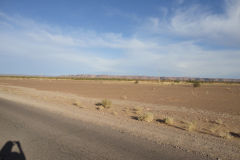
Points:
(166, 38)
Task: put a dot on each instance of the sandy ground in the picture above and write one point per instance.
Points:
(217, 98)
(211, 111)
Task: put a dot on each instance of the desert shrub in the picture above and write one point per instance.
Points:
(147, 117)
(136, 82)
(191, 126)
(196, 84)
(106, 103)
(168, 120)
(225, 135)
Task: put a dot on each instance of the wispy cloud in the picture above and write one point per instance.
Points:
(160, 47)
(199, 23)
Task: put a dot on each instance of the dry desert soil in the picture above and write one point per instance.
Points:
(205, 119)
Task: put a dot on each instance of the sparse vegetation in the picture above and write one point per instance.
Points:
(225, 135)
(214, 129)
(106, 103)
(196, 84)
(168, 120)
(191, 126)
(147, 117)
(136, 82)
(221, 132)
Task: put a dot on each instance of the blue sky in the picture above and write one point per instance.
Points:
(194, 38)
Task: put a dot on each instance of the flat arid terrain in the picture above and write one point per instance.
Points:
(202, 121)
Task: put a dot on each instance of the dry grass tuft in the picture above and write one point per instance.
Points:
(168, 120)
(214, 129)
(191, 126)
(221, 132)
(225, 135)
(106, 103)
(196, 84)
(147, 117)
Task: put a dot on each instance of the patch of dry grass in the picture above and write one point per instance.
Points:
(191, 126)
(168, 120)
(225, 135)
(221, 132)
(196, 84)
(147, 117)
(106, 103)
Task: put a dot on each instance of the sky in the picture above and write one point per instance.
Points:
(171, 38)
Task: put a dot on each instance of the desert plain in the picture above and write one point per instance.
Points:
(203, 119)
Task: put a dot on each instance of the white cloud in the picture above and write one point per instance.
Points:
(202, 24)
(88, 51)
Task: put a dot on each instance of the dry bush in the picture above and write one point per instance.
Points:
(106, 103)
(147, 117)
(196, 84)
(191, 126)
(225, 135)
(168, 120)
(214, 129)
(221, 132)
